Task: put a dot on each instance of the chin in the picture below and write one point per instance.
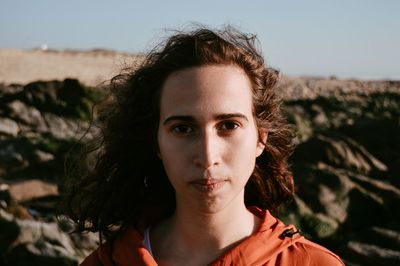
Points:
(214, 205)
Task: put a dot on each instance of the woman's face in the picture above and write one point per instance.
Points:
(207, 135)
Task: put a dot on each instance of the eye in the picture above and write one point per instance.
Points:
(228, 125)
(183, 129)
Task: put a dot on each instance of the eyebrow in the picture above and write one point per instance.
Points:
(188, 118)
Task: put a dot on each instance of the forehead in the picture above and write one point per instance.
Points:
(219, 88)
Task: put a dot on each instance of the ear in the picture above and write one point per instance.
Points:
(262, 140)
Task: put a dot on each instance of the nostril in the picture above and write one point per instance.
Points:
(205, 162)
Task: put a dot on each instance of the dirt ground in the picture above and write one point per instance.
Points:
(90, 67)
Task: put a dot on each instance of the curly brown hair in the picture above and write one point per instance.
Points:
(128, 184)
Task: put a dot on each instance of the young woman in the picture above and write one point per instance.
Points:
(193, 154)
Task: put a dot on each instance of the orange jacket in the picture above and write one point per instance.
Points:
(268, 246)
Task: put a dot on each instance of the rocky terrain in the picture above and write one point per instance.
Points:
(347, 170)
(346, 165)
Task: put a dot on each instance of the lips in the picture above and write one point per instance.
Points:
(208, 185)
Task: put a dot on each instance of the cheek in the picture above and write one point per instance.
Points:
(168, 158)
(243, 153)
(162, 145)
(171, 153)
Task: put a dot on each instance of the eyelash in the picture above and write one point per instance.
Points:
(222, 126)
(180, 126)
(231, 123)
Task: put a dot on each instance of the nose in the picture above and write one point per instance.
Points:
(207, 151)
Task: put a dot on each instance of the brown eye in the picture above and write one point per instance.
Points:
(183, 129)
(228, 125)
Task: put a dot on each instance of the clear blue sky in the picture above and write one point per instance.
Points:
(353, 38)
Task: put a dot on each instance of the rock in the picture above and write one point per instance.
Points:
(319, 117)
(366, 254)
(71, 92)
(4, 195)
(386, 238)
(8, 127)
(381, 137)
(298, 116)
(362, 203)
(10, 89)
(313, 225)
(37, 156)
(40, 253)
(389, 238)
(22, 153)
(389, 193)
(9, 233)
(339, 151)
(87, 242)
(32, 189)
(27, 115)
(332, 207)
(67, 98)
(324, 226)
(19, 212)
(43, 156)
(10, 157)
(43, 95)
(345, 196)
(40, 243)
(60, 127)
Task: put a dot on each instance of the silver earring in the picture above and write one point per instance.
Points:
(146, 185)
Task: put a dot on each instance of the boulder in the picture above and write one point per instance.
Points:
(8, 127)
(28, 242)
(38, 254)
(345, 196)
(61, 128)
(366, 254)
(338, 150)
(42, 156)
(27, 115)
(64, 98)
(10, 156)
(381, 137)
(9, 233)
(32, 189)
(18, 211)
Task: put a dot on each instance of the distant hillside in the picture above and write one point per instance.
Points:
(90, 67)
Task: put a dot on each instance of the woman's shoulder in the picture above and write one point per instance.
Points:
(126, 249)
(284, 245)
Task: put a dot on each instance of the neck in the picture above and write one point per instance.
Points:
(218, 229)
(193, 231)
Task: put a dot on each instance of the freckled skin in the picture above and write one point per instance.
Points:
(207, 136)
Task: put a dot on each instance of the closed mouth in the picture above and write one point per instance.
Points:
(208, 185)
